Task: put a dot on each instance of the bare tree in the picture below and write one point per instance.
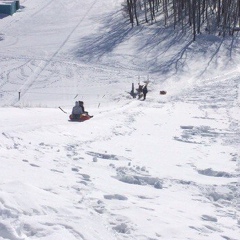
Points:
(210, 15)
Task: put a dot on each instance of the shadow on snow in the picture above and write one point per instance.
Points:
(158, 49)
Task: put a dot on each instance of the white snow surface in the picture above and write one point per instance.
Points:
(164, 168)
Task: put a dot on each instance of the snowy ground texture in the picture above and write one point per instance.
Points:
(165, 168)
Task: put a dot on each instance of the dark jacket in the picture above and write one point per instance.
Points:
(145, 89)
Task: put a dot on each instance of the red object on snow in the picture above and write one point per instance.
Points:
(81, 119)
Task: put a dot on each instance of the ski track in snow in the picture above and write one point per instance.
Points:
(133, 171)
(37, 69)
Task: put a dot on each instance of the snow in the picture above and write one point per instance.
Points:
(164, 168)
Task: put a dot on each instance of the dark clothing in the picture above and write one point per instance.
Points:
(82, 107)
(77, 110)
(139, 90)
(76, 116)
(145, 91)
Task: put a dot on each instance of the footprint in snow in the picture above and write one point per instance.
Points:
(122, 228)
(99, 207)
(34, 165)
(55, 170)
(211, 173)
(116, 197)
(209, 218)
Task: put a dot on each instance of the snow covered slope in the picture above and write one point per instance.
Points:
(164, 168)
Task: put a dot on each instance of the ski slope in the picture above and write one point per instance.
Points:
(165, 168)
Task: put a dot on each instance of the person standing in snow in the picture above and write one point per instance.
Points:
(77, 111)
(145, 91)
(139, 90)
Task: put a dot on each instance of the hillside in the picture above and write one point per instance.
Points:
(164, 168)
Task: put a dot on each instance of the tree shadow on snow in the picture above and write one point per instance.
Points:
(165, 49)
(105, 40)
(216, 52)
(158, 48)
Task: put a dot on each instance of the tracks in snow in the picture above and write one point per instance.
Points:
(44, 63)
